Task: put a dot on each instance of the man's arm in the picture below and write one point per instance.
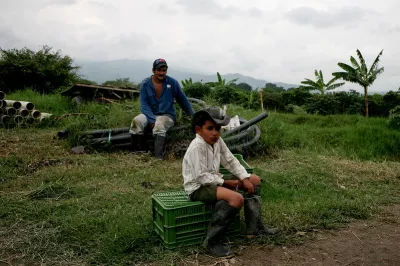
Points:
(145, 106)
(182, 100)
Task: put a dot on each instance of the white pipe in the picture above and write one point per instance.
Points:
(2, 95)
(23, 112)
(18, 119)
(5, 119)
(11, 111)
(27, 105)
(30, 120)
(35, 114)
(22, 125)
(16, 104)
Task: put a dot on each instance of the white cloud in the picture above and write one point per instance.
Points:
(275, 40)
(218, 11)
(347, 16)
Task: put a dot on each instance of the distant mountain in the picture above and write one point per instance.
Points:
(137, 70)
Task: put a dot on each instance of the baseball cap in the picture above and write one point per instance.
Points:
(216, 114)
(159, 63)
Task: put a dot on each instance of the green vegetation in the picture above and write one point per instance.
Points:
(44, 71)
(58, 208)
(394, 118)
(120, 82)
(322, 164)
(320, 84)
(360, 74)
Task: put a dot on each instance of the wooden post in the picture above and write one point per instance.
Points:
(261, 102)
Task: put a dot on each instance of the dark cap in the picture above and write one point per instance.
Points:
(215, 114)
(159, 63)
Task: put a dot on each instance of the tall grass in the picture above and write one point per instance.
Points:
(351, 136)
(52, 103)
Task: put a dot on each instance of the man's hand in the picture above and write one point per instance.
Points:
(248, 186)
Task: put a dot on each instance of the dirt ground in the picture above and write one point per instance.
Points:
(371, 242)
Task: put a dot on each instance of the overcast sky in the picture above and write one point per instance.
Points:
(276, 40)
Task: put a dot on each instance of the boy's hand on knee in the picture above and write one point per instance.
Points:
(231, 184)
(254, 176)
(248, 186)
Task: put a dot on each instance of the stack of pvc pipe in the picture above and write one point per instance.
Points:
(18, 113)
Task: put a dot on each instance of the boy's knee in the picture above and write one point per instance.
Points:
(241, 200)
(255, 180)
(238, 201)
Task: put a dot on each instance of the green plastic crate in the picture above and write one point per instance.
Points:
(187, 233)
(181, 222)
(249, 169)
(174, 209)
(173, 237)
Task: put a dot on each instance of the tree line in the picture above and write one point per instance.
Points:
(48, 71)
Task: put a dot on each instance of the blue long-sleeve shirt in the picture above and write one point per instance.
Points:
(151, 107)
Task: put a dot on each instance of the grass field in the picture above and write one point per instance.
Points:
(60, 208)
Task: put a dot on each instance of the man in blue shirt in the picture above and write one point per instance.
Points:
(157, 95)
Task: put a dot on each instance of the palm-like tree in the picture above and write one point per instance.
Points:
(222, 82)
(359, 73)
(320, 84)
(187, 83)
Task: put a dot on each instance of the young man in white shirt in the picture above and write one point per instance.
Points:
(203, 182)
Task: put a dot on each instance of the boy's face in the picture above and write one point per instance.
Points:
(210, 132)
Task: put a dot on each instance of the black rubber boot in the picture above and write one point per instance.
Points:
(134, 142)
(142, 143)
(138, 143)
(159, 146)
(252, 215)
(257, 190)
(223, 214)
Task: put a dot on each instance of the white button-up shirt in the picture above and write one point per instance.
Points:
(201, 164)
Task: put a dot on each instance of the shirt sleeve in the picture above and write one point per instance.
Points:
(231, 163)
(183, 100)
(199, 169)
(145, 106)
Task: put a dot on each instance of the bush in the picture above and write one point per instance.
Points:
(197, 90)
(349, 102)
(44, 71)
(295, 109)
(323, 104)
(227, 94)
(296, 96)
(273, 101)
(394, 118)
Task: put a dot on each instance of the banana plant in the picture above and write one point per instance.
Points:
(320, 84)
(360, 74)
(187, 83)
(222, 82)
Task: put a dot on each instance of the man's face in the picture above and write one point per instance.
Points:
(210, 132)
(160, 73)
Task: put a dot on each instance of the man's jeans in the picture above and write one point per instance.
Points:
(162, 125)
